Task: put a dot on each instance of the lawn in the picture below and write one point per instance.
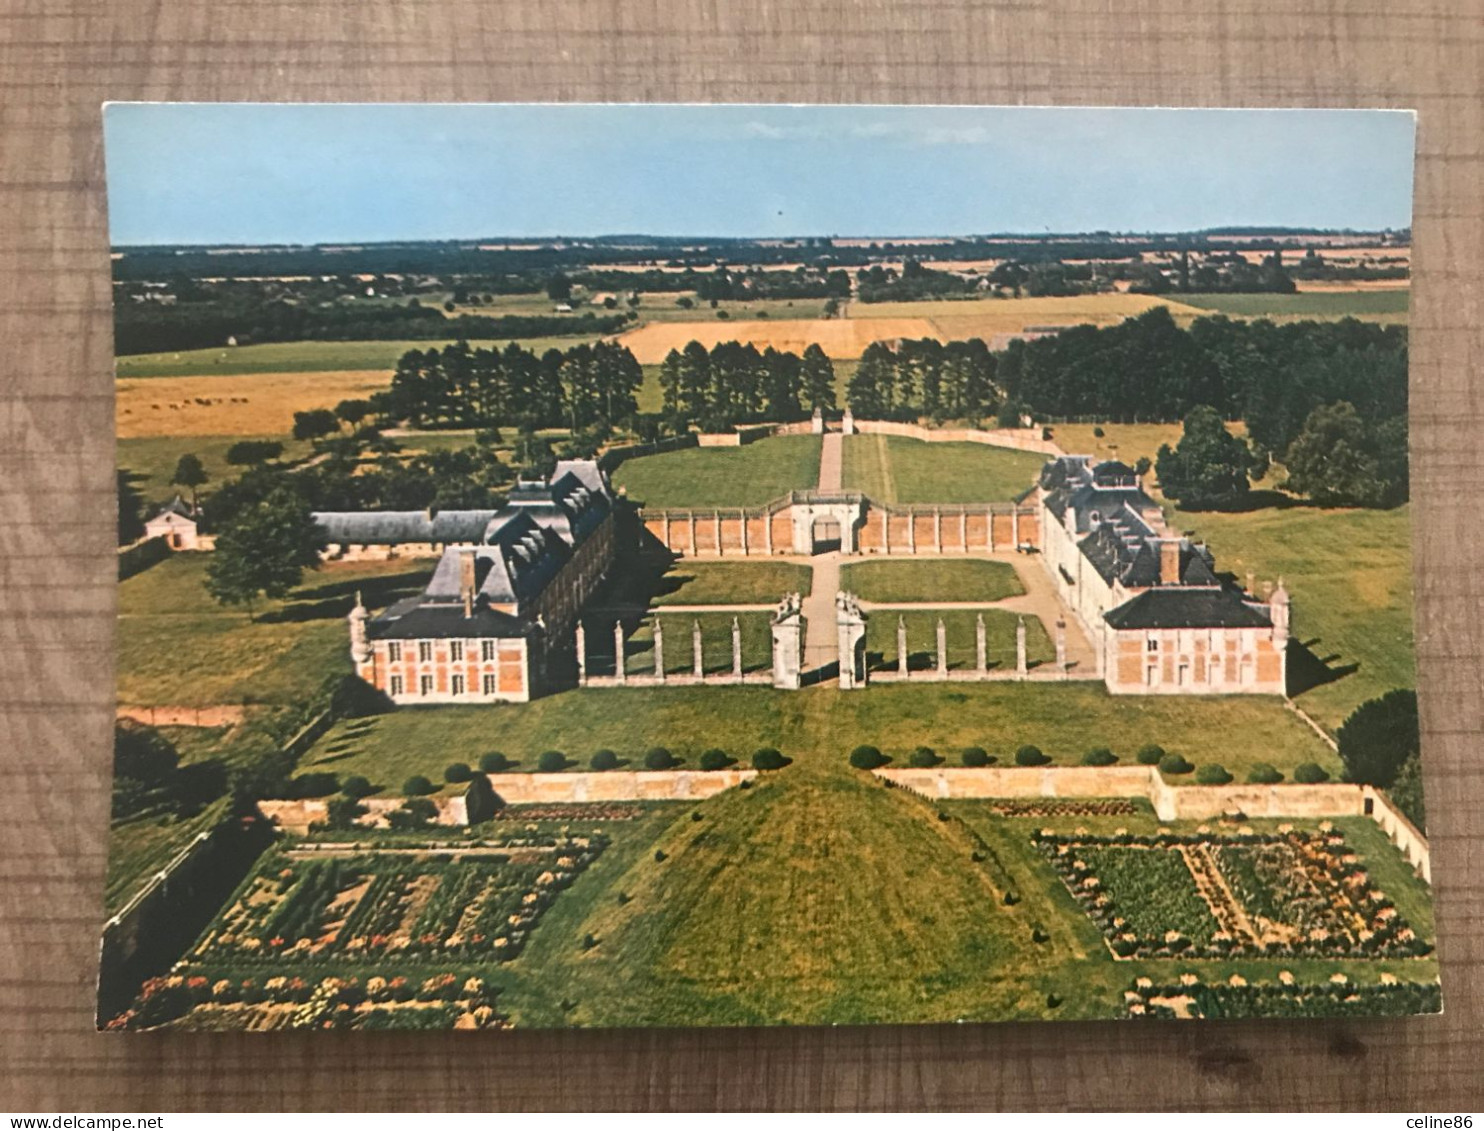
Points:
(716, 643)
(746, 476)
(733, 583)
(897, 469)
(176, 646)
(818, 727)
(1349, 573)
(959, 626)
(931, 579)
(150, 461)
(296, 357)
(1370, 306)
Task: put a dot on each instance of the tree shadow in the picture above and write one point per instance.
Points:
(1308, 670)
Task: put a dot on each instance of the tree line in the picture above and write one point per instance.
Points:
(924, 378)
(734, 383)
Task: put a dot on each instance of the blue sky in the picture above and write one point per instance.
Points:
(243, 173)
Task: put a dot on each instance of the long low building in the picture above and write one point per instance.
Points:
(1160, 617)
(499, 610)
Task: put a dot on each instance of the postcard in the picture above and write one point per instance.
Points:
(651, 565)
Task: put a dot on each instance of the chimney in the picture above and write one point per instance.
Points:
(467, 584)
(1169, 562)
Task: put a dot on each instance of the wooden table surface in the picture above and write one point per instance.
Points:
(59, 59)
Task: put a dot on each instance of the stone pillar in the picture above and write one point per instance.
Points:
(659, 649)
(911, 531)
(942, 650)
(902, 646)
(788, 644)
(1015, 525)
(963, 531)
(691, 515)
(619, 668)
(716, 526)
(581, 655)
(989, 529)
(666, 529)
(981, 647)
(816, 422)
(736, 650)
(885, 531)
(1061, 645)
(850, 623)
(768, 531)
(742, 518)
(360, 642)
(847, 423)
(698, 664)
(1020, 660)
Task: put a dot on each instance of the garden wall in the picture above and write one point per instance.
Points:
(617, 785)
(1021, 439)
(1405, 835)
(139, 556)
(218, 716)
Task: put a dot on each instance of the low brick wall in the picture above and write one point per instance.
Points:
(617, 785)
(1405, 835)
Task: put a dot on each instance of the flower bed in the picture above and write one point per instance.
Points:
(439, 1001)
(1236, 998)
(1230, 894)
(1051, 807)
(482, 905)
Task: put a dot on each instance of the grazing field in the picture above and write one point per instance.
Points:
(255, 405)
(959, 627)
(732, 583)
(931, 579)
(838, 337)
(176, 646)
(1349, 573)
(818, 727)
(897, 469)
(1388, 305)
(299, 357)
(150, 461)
(746, 476)
(989, 318)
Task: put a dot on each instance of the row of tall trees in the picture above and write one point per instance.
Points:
(459, 387)
(924, 378)
(733, 383)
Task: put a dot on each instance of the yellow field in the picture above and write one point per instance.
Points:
(987, 317)
(255, 404)
(1346, 286)
(1126, 442)
(839, 338)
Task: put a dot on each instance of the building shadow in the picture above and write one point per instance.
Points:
(1307, 669)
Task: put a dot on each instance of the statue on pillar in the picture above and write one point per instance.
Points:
(1021, 665)
(698, 662)
(942, 649)
(736, 650)
(659, 649)
(981, 645)
(620, 661)
(850, 623)
(788, 643)
(901, 646)
(581, 645)
(1061, 645)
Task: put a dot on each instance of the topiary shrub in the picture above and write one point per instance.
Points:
(1310, 773)
(1264, 774)
(417, 786)
(494, 763)
(714, 759)
(1029, 755)
(1175, 764)
(768, 758)
(1214, 774)
(923, 757)
(480, 800)
(551, 762)
(975, 756)
(357, 786)
(867, 758)
(658, 758)
(457, 772)
(1150, 754)
(1099, 756)
(604, 760)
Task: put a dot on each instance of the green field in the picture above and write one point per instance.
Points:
(896, 469)
(931, 579)
(176, 646)
(819, 726)
(1370, 306)
(299, 357)
(733, 583)
(1349, 573)
(746, 476)
(150, 461)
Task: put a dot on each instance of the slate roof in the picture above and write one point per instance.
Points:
(418, 619)
(176, 506)
(1188, 607)
(515, 565)
(389, 528)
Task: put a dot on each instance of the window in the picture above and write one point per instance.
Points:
(457, 685)
(455, 649)
(1152, 646)
(394, 651)
(487, 650)
(425, 685)
(396, 686)
(489, 685)
(425, 650)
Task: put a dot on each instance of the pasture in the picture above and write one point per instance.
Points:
(989, 318)
(255, 405)
(1388, 305)
(745, 476)
(898, 469)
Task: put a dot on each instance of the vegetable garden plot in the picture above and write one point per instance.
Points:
(1245, 895)
(368, 905)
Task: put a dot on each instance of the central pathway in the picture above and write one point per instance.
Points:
(820, 644)
(831, 462)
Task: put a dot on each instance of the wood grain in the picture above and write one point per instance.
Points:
(59, 59)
